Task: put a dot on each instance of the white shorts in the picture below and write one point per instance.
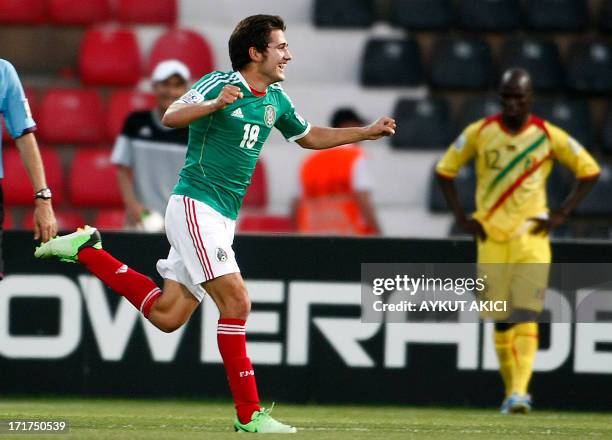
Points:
(201, 244)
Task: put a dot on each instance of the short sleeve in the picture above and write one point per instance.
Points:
(460, 151)
(572, 154)
(16, 110)
(291, 124)
(204, 89)
(122, 150)
(360, 175)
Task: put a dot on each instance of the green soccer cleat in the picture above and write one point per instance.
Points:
(67, 247)
(261, 422)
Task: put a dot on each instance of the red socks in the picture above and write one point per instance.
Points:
(231, 337)
(140, 290)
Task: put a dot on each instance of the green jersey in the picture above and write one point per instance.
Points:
(224, 146)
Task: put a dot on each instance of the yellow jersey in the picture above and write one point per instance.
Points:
(512, 168)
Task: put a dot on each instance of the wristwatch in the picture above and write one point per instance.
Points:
(44, 194)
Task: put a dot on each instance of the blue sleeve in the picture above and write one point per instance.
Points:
(15, 108)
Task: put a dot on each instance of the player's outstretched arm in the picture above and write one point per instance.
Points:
(320, 138)
(180, 114)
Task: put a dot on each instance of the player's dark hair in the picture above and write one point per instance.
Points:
(253, 31)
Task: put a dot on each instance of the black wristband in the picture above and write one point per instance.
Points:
(44, 193)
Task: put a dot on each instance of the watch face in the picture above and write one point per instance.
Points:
(43, 194)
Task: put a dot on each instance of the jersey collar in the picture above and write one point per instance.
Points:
(248, 86)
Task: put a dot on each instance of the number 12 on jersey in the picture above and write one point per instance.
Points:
(251, 132)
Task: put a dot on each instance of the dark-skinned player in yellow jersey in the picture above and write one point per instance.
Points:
(513, 153)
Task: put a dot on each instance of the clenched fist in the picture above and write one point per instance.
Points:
(381, 127)
(228, 95)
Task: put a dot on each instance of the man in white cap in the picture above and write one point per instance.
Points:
(149, 155)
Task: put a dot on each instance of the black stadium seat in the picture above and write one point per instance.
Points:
(422, 123)
(589, 67)
(392, 62)
(422, 15)
(490, 15)
(607, 131)
(605, 16)
(476, 108)
(466, 189)
(540, 58)
(344, 13)
(461, 63)
(556, 15)
(574, 116)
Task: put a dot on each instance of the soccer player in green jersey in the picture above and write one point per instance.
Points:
(230, 115)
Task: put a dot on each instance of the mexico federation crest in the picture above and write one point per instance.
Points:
(221, 255)
(270, 116)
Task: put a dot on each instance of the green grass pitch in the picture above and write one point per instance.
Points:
(184, 419)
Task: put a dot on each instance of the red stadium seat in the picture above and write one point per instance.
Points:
(9, 220)
(66, 220)
(265, 223)
(93, 180)
(257, 192)
(71, 116)
(79, 12)
(187, 46)
(109, 56)
(110, 219)
(121, 104)
(147, 12)
(16, 184)
(22, 11)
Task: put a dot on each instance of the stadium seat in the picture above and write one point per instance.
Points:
(423, 123)
(466, 189)
(607, 131)
(120, 105)
(589, 67)
(391, 62)
(265, 223)
(605, 16)
(110, 219)
(478, 107)
(9, 220)
(574, 116)
(187, 46)
(71, 116)
(422, 15)
(22, 12)
(461, 63)
(109, 56)
(16, 183)
(147, 12)
(79, 12)
(93, 180)
(597, 203)
(257, 192)
(344, 13)
(540, 58)
(66, 220)
(556, 15)
(490, 15)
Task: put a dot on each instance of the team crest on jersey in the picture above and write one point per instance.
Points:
(221, 255)
(270, 116)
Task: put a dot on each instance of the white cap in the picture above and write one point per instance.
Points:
(167, 68)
